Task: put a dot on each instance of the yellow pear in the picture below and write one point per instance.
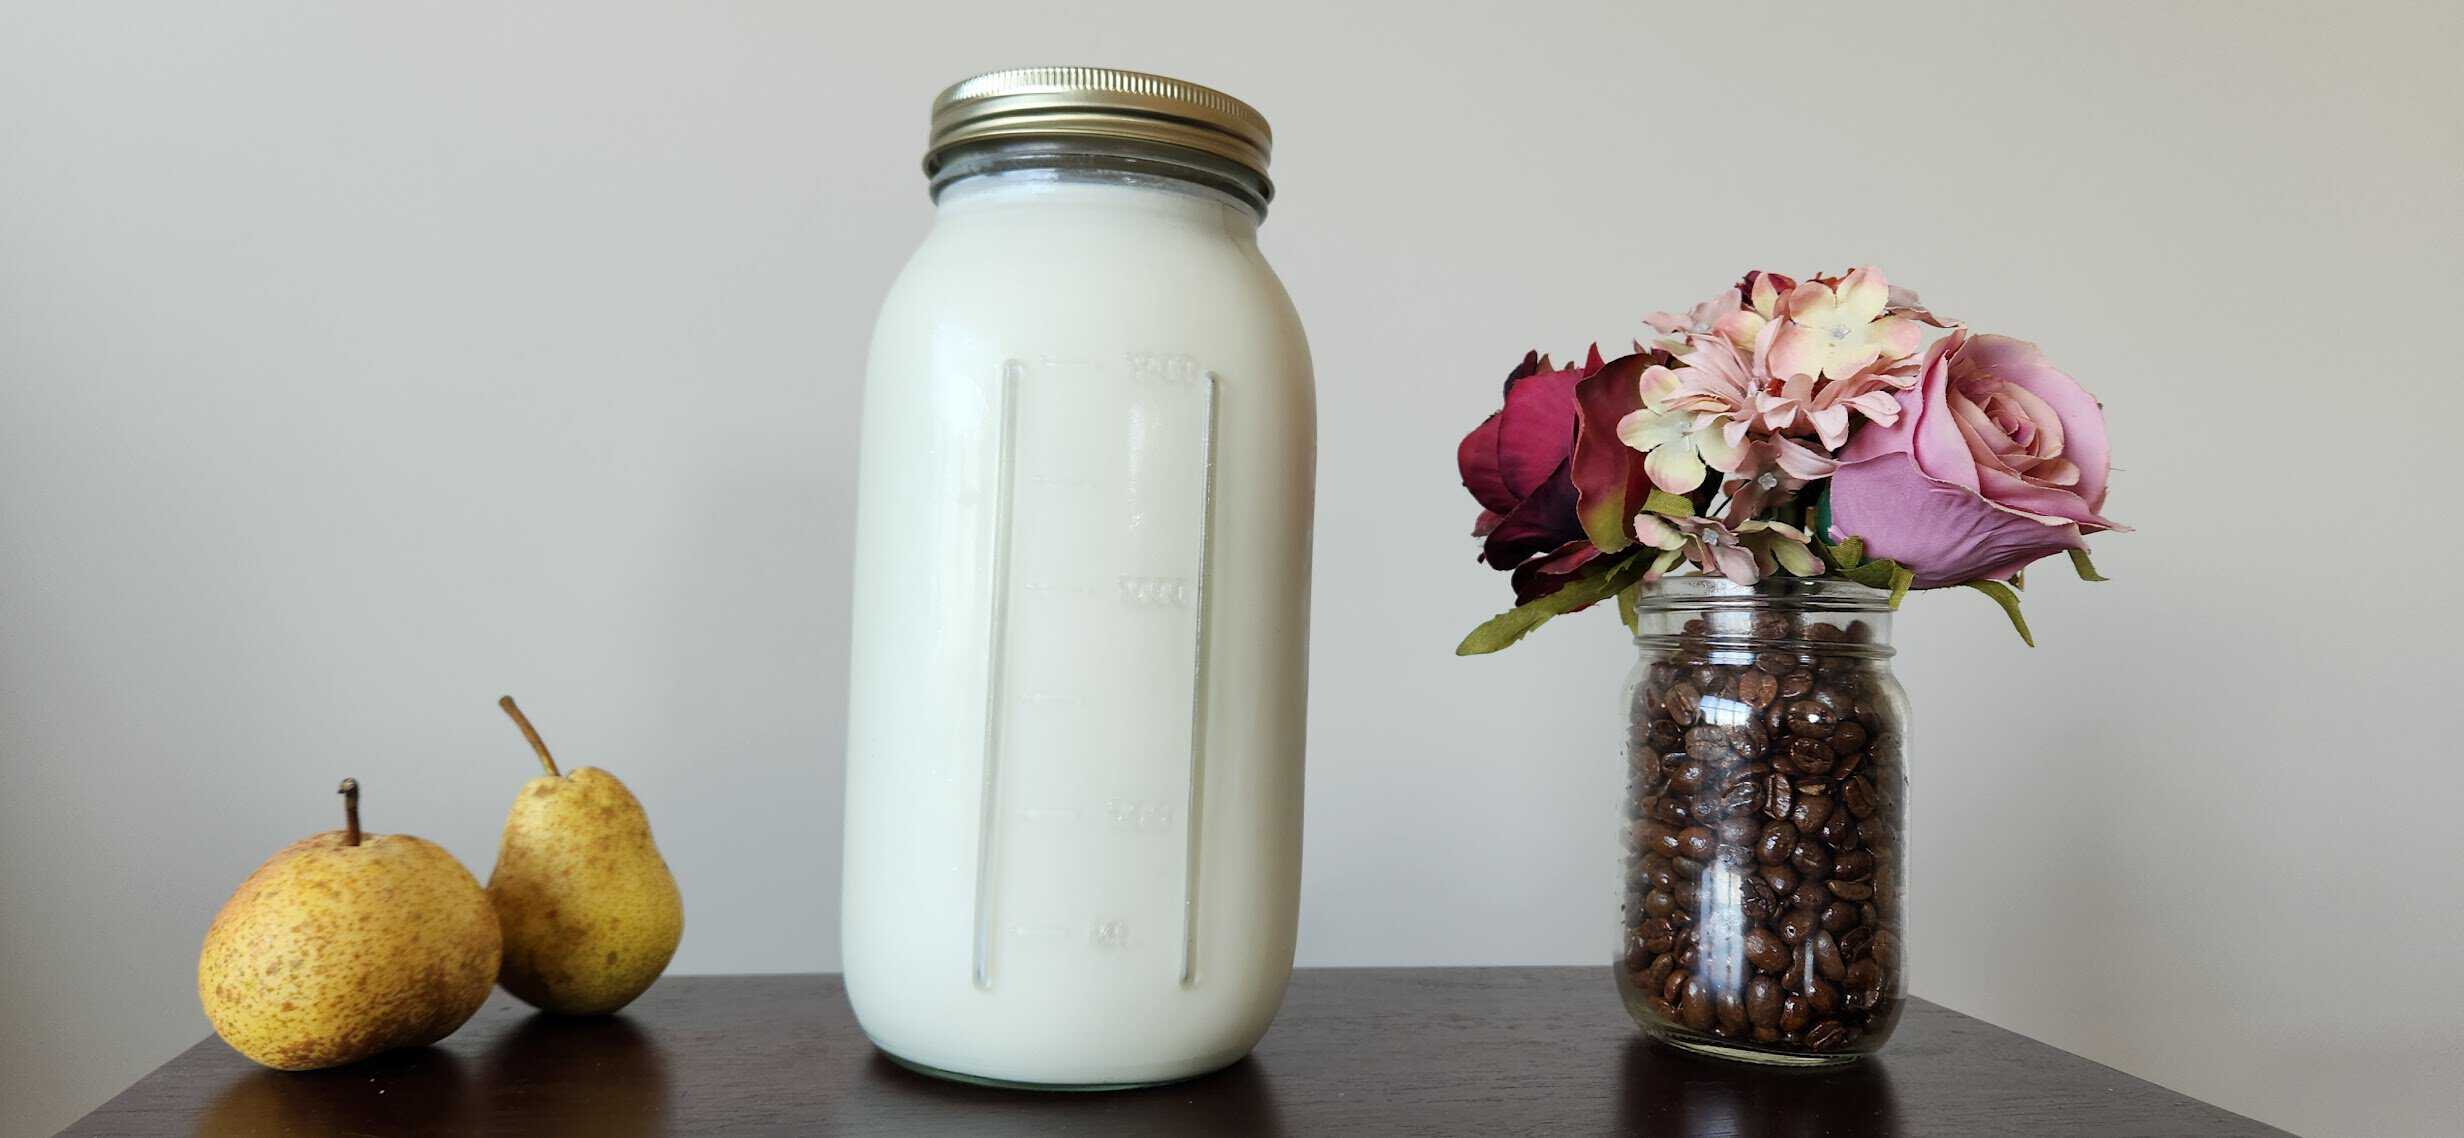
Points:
(347, 944)
(589, 910)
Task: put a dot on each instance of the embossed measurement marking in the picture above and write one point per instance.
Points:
(1095, 710)
(1167, 591)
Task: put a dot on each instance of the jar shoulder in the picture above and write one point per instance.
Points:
(1075, 287)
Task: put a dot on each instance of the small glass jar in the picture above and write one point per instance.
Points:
(1764, 867)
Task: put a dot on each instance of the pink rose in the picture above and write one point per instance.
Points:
(1997, 460)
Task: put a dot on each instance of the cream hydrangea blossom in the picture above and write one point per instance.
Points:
(1836, 331)
(1692, 421)
(1745, 554)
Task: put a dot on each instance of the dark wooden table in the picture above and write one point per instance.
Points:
(1355, 1052)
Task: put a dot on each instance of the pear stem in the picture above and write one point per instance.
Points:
(531, 733)
(349, 790)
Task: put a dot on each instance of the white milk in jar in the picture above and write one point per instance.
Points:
(1073, 799)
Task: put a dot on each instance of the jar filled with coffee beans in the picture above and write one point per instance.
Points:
(1763, 917)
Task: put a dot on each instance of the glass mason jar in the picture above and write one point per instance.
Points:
(1766, 776)
(1078, 675)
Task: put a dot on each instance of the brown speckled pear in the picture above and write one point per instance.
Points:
(589, 910)
(344, 945)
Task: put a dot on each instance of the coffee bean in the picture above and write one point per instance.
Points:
(1659, 902)
(1738, 833)
(1848, 737)
(1854, 865)
(1829, 1035)
(1683, 702)
(1779, 839)
(1779, 879)
(1822, 996)
(1696, 1007)
(1797, 924)
(1810, 810)
(1673, 988)
(1827, 960)
(1762, 1003)
(1809, 858)
(1886, 950)
(1759, 902)
(1765, 951)
(1729, 1006)
(1857, 794)
(1659, 935)
(1796, 683)
(1865, 977)
(1742, 795)
(1838, 916)
(1806, 756)
(1856, 942)
(1674, 811)
(1795, 1013)
(1811, 719)
(1853, 890)
(1696, 842)
(1689, 776)
(1839, 831)
(1779, 796)
(1714, 743)
(1757, 689)
(1656, 976)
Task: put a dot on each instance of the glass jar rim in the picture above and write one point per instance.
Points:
(1791, 594)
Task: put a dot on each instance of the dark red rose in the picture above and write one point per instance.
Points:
(1556, 488)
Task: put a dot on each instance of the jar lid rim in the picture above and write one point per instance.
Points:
(1097, 102)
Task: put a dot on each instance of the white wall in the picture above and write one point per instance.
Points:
(358, 363)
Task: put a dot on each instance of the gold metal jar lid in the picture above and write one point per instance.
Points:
(1098, 102)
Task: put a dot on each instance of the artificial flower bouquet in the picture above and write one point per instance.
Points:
(1830, 426)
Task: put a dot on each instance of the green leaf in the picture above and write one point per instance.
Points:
(1599, 581)
(2086, 569)
(1668, 505)
(1626, 598)
(1901, 578)
(1844, 556)
(2004, 596)
(1848, 560)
